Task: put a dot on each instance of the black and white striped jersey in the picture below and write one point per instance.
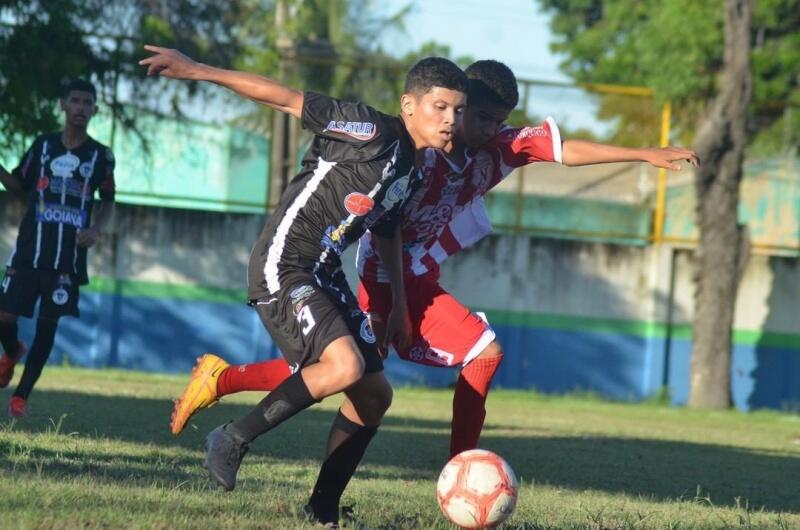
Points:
(61, 183)
(356, 176)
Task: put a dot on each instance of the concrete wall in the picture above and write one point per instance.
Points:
(170, 284)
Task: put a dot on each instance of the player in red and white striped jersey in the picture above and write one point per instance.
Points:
(447, 214)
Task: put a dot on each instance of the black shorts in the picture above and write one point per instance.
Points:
(308, 313)
(21, 288)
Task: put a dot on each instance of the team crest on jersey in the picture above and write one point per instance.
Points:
(366, 332)
(416, 353)
(86, 169)
(360, 130)
(42, 183)
(65, 165)
(60, 296)
(358, 204)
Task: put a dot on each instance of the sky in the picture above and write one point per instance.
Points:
(516, 32)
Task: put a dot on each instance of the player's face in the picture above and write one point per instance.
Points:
(481, 123)
(433, 117)
(79, 107)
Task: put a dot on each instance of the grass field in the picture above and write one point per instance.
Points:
(96, 452)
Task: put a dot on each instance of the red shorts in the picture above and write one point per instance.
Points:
(445, 332)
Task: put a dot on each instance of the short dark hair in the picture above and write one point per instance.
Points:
(81, 85)
(492, 83)
(432, 72)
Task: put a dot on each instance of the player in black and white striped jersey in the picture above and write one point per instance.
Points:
(356, 176)
(60, 174)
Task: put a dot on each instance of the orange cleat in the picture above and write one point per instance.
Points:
(200, 393)
(17, 407)
(7, 363)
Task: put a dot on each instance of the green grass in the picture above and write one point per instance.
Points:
(96, 452)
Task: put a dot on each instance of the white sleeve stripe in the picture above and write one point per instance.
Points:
(556, 134)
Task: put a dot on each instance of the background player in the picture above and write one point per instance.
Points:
(60, 173)
(357, 173)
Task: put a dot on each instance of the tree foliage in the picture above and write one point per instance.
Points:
(43, 43)
(676, 48)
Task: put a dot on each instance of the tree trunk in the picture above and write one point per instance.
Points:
(723, 248)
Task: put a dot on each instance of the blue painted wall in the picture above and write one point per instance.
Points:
(165, 335)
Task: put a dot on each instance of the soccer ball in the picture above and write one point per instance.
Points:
(477, 489)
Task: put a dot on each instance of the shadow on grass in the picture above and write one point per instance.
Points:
(415, 449)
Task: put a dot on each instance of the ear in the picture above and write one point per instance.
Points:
(408, 104)
(63, 104)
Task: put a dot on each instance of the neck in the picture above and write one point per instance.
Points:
(419, 146)
(455, 151)
(73, 136)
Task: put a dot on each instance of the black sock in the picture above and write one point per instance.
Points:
(347, 443)
(288, 399)
(37, 356)
(8, 337)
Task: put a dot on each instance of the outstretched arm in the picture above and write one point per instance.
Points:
(173, 64)
(9, 182)
(581, 153)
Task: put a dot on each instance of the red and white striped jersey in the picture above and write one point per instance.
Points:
(447, 212)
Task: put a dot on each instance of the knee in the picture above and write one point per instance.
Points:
(376, 403)
(350, 369)
(492, 350)
(7, 317)
(382, 399)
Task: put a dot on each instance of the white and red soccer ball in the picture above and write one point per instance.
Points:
(477, 489)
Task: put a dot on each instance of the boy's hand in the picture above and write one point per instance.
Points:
(398, 329)
(169, 63)
(87, 237)
(667, 157)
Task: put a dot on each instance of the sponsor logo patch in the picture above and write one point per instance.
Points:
(396, 192)
(358, 204)
(299, 296)
(74, 187)
(334, 239)
(360, 130)
(65, 165)
(60, 214)
(439, 357)
(42, 183)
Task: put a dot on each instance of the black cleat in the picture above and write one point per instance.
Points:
(324, 519)
(225, 452)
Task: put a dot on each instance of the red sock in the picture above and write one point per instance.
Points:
(265, 375)
(469, 403)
